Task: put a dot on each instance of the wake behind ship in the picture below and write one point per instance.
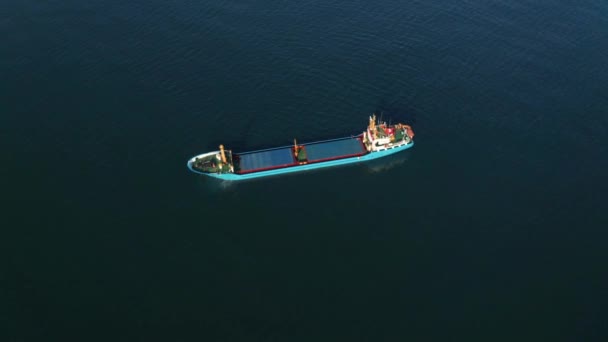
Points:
(377, 141)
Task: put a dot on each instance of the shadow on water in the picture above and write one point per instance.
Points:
(387, 163)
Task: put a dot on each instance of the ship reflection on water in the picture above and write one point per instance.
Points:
(387, 163)
(213, 185)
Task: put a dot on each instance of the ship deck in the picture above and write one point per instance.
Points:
(266, 159)
(332, 149)
(282, 157)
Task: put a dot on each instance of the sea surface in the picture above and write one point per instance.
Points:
(494, 227)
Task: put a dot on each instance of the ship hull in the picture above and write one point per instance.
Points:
(305, 167)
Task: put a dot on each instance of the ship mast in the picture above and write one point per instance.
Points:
(372, 125)
(222, 154)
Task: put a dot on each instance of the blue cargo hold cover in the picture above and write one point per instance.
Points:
(334, 149)
(265, 159)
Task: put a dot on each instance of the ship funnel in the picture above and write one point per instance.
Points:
(223, 154)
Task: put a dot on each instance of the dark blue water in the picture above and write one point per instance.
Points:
(492, 227)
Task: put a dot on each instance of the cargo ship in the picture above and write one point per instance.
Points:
(377, 141)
